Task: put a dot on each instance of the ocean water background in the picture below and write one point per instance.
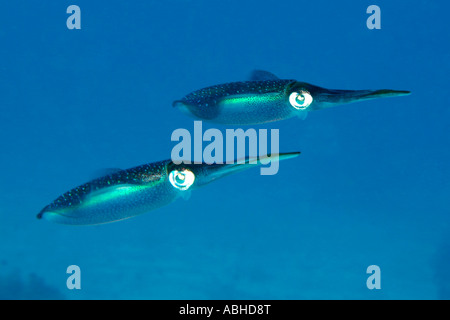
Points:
(370, 187)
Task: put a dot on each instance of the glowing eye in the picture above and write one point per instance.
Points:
(181, 179)
(300, 100)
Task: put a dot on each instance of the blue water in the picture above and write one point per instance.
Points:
(371, 186)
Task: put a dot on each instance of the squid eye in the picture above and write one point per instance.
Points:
(181, 180)
(300, 100)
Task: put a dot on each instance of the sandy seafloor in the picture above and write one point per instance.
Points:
(371, 186)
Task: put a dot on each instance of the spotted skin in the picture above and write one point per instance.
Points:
(128, 193)
(114, 197)
(266, 98)
(239, 102)
(141, 175)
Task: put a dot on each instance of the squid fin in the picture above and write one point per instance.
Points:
(261, 75)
